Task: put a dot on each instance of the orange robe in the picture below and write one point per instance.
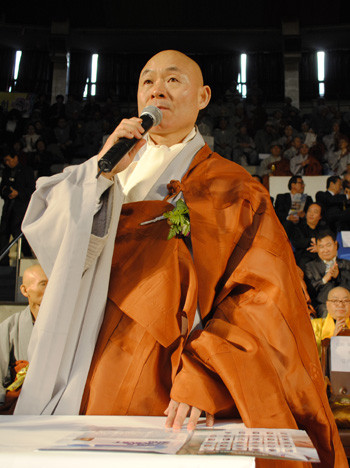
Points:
(257, 351)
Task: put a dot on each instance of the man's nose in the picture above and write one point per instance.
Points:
(158, 89)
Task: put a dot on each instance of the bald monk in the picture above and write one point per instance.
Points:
(16, 330)
(216, 321)
(338, 316)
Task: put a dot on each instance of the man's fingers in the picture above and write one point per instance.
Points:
(170, 412)
(181, 413)
(209, 420)
(194, 416)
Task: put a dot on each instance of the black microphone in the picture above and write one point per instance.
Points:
(151, 116)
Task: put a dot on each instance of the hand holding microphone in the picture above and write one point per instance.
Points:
(126, 136)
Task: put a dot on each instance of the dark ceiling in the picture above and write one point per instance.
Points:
(137, 26)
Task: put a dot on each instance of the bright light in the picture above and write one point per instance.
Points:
(17, 62)
(94, 62)
(321, 89)
(244, 68)
(86, 88)
(320, 65)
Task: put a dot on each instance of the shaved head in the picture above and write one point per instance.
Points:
(173, 82)
(178, 57)
(33, 287)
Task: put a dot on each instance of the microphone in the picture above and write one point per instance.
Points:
(151, 116)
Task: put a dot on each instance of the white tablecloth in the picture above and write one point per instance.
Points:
(21, 436)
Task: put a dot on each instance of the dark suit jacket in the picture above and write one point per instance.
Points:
(318, 291)
(283, 204)
(335, 208)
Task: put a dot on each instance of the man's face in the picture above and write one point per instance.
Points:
(336, 187)
(173, 83)
(297, 142)
(299, 186)
(327, 248)
(11, 162)
(304, 149)
(313, 214)
(338, 303)
(34, 286)
(276, 151)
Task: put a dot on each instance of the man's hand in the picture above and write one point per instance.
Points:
(334, 270)
(177, 412)
(339, 326)
(128, 128)
(313, 246)
(13, 194)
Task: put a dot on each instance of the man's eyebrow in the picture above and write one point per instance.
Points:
(171, 69)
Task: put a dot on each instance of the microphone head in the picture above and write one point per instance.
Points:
(154, 113)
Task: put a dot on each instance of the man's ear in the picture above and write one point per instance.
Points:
(204, 97)
(23, 290)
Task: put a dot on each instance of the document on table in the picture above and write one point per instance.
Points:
(124, 440)
(288, 444)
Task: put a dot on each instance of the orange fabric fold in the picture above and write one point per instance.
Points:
(257, 352)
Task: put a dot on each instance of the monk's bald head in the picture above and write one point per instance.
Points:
(173, 82)
(33, 287)
(32, 273)
(183, 61)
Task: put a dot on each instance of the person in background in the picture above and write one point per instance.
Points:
(303, 235)
(15, 333)
(337, 318)
(335, 205)
(16, 187)
(326, 272)
(293, 205)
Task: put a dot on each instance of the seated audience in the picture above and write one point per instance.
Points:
(292, 206)
(293, 148)
(303, 235)
(223, 138)
(326, 272)
(304, 163)
(41, 160)
(337, 318)
(335, 205)
(339, 159)
(244, 149)
(265, 137)
(274, 165)
(29, 139)
(16, 330)
(286, 140)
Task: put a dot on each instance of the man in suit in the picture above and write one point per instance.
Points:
(335, 205)
(16, 188)
(326, 272)
(303, 235)
(291, 206)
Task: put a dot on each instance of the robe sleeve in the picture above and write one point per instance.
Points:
(63, 204)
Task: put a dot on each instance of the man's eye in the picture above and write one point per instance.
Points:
(147, 82)
(173, 79)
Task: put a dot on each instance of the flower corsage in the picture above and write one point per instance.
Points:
(179, 220)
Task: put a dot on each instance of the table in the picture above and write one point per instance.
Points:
(21, 436)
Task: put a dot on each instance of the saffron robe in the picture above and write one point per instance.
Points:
(257, 350)
(257, 340)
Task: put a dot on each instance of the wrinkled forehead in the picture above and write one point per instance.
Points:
(173, 61)
(339, 293)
